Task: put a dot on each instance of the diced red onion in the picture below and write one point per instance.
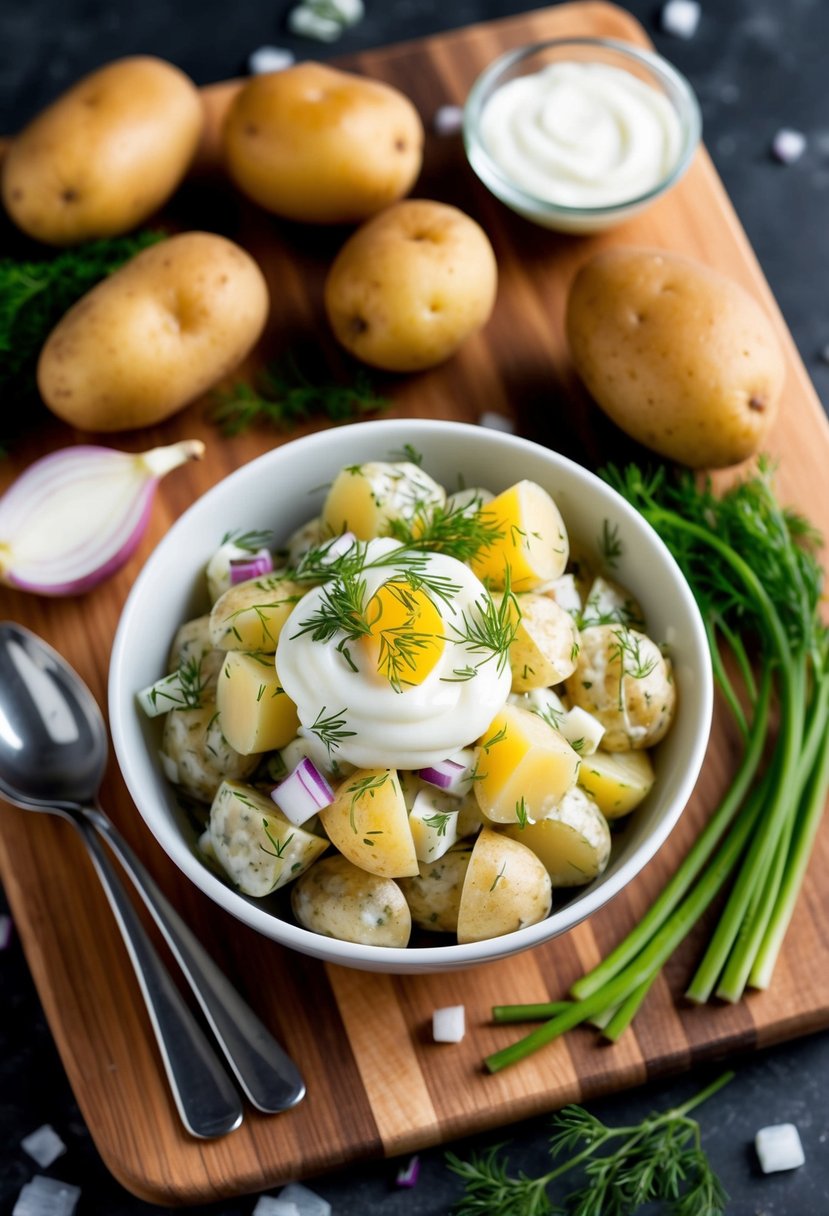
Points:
(244, 568)
(408, 1176)
(303, 792)
(444, 774)
(5, 932)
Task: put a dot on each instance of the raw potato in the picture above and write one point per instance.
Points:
(369, 824)
(411, 285)
(434, 894)
(506, 888)
(623, 679)
(543, 651)
(618, 781)
(679, 356)
(257, 714)
(322, 146)
(250, 615)
(156, 334)
(255, 844)
(533, 543)
(340, 900)
(105, 155)
(572, 841)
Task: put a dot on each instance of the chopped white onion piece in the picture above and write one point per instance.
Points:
(408, 1176)
(266, 1205)
(788, 145)
(269, 59)
(680, 18)
(448, 120)
(44, 1146)
(449, 1024)
(303, 792)
(469, 500)
(167, 693)
(565, 592)
(307, 1202)
(779, 1148)
(46, 1197)
(305, 22)
(542, 701)
(5, 931)
(497, 422)
(581, 730)
(433, 821)
(338, 546)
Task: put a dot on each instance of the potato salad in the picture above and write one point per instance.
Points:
(421, 715)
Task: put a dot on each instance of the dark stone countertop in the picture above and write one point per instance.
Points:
(757, 65)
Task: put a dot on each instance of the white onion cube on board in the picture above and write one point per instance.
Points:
(266, 1205)
(46, 1197)
(448, 120)
(449, 1024)
(680, 18)
(305, 22)
(496, 422)
(788, 145)
(269, 59)
(307, 1202)
(44, 1146)
(779, 1148)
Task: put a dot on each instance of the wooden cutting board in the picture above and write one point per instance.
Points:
(376, 1084)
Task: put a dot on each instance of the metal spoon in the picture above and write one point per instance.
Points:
(53, 752)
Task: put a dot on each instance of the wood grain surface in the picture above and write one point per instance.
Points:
(376, 1084)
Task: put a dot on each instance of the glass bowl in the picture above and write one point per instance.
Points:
(645, 66)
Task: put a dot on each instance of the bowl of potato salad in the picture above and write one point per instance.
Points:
(410, 695)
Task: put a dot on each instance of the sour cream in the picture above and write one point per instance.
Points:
(418, 725)
(581, 134)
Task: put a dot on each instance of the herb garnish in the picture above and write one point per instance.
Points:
(184, 689)
(661, 1158)
(330, 730)
(284, 396)
(458, 530)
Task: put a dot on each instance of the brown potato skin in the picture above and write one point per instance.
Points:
(679, 356)
(408, 287)
(156, 334)
(322, 146)
(105, 155)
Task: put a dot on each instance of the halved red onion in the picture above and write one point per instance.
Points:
(303, 792)
(244, 568)
(445, 774)
(72, 518)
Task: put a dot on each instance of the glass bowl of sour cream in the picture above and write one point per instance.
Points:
(579, 134)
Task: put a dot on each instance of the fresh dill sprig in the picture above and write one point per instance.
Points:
(279, 847)
(490, 630)
(284, 396)
(609, 544)
(458, 530)
(184, 689)
(439, 821)
(331, 730)
(251, 541)
(659, 1159)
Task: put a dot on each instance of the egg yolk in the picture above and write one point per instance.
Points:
(405, 640)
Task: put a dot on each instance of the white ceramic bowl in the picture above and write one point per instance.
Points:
(647, 66)
(281, 490)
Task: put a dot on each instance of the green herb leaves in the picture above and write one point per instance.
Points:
(624, 1168)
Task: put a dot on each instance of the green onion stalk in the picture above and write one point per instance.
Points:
(752, 568)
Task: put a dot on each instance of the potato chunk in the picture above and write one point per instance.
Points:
(545, 646)
(623, 679)
(250, 615)
(434, 893)
(506, 887)
(524, 767)
(366, 498)
(254, 842)
(533, 544)
(197, 756)
(572, 840)
(618, 781)
(257, 714)
(340, 900)
(369, 824)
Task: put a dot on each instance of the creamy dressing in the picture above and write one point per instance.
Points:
(581, 134)
(412, 728)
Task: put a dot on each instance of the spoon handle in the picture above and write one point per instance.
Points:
(265, 1073)
(207, 1102)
